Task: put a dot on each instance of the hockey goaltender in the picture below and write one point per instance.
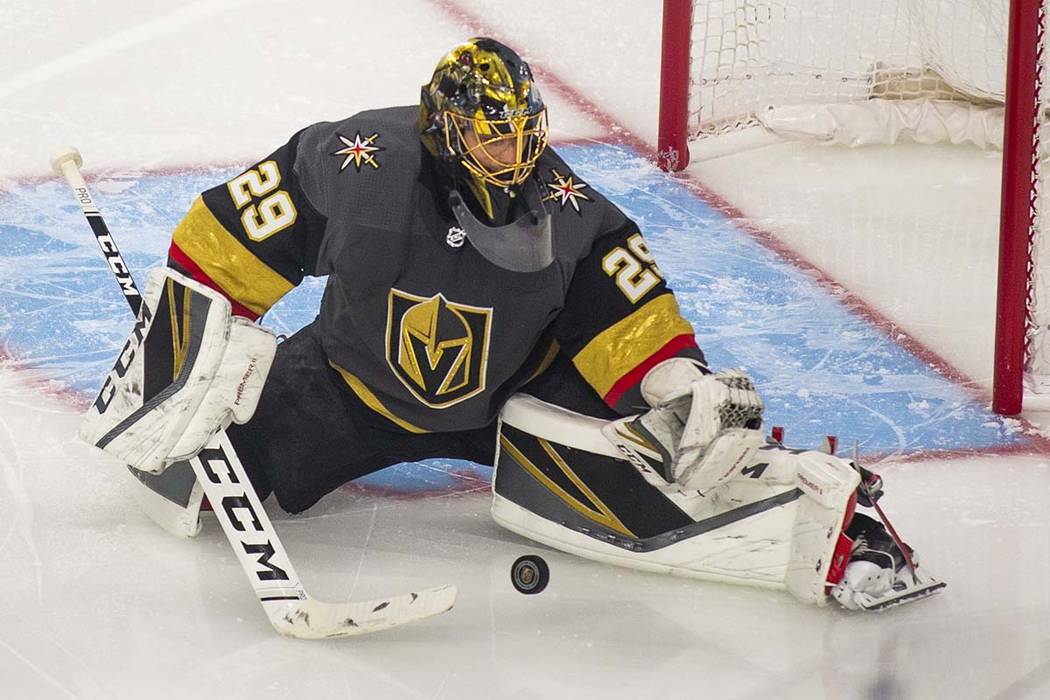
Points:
(484, 303)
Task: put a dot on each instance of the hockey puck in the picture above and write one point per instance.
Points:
(530, 574)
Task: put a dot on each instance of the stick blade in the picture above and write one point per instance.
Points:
(314, 619)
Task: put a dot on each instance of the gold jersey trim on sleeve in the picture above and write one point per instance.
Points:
(626, 344)
(227, 262)
(372, 401)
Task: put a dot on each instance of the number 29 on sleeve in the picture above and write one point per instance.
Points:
(633, 269)
(273, 212)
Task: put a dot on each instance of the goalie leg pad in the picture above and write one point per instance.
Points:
(774, 522)
(561, 482)
(172, 499)
(828, 485)
(188, 369)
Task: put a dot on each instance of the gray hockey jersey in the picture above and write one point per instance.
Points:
(429, 333)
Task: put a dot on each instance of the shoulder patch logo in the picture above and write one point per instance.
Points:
(437, 348)
(567, 191)
(358, 151)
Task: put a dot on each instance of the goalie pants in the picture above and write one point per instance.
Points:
(311, 434)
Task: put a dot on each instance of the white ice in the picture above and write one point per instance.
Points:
(99, 603)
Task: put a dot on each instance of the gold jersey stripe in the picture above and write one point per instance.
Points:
(227, 262)
(626, 344)
(599, 513)
(372, 401)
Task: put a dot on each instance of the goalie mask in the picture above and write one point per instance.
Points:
(482, 108)
(482, 117)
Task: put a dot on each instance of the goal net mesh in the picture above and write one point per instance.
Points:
(858, 72)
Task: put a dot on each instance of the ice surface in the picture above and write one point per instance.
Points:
(100, 603)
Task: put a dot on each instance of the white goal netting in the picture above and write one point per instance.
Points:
(859, 72)
(752, 55)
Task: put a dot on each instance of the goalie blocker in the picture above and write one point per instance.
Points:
(189, 368)
(777, 523)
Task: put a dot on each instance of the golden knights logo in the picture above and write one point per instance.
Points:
(437, 348)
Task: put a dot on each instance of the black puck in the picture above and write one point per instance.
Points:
(530, 574)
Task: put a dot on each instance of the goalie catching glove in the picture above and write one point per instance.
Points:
(702, 428)
(189, 368)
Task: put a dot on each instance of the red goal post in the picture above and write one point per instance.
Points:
(728, 65)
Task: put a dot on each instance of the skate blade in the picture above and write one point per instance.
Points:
(925, 587)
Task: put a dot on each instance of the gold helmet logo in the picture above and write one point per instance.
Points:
(437, 348)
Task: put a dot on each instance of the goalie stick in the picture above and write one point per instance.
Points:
(291, 610)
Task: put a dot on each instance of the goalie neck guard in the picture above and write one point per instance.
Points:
(523, 245)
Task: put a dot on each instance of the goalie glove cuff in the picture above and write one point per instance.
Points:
(671, 379)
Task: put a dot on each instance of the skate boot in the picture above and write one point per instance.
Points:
(880, 574)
